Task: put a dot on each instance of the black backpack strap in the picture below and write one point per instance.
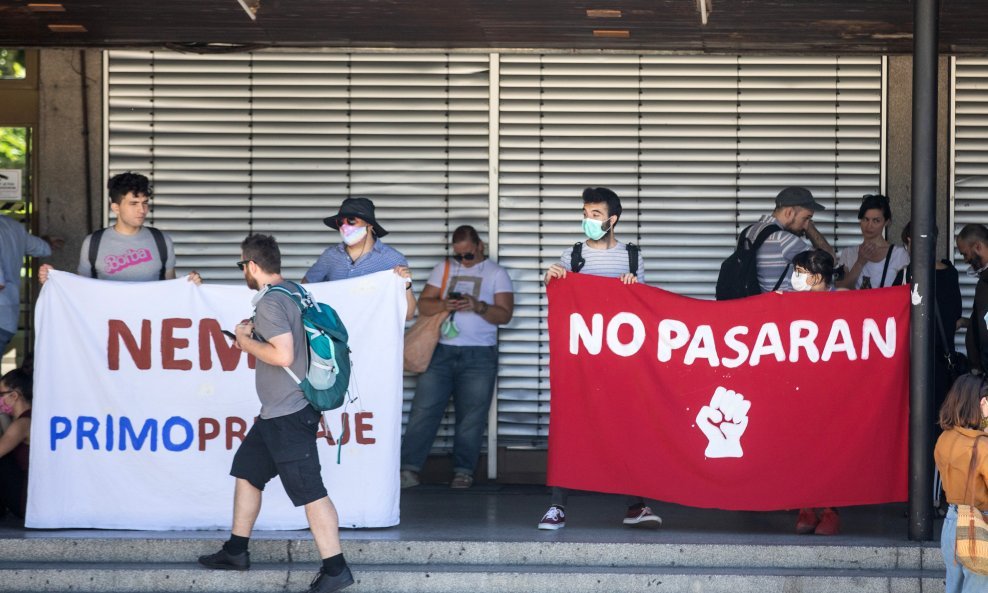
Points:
(763, 235)
(159, 240)
(632, 258)
(885, 270)
(576, 261)
(778, 282)
(94, 241)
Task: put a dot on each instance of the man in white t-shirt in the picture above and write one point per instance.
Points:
(601, 255)
(478, 295)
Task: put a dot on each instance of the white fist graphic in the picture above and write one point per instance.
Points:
(723, 422)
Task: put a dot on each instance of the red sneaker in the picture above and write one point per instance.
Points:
(807, 521)
(829, 523)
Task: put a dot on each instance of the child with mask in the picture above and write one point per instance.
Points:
(15, 401)
(360, 251)
(813, 271)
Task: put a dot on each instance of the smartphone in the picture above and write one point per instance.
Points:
(455, 295)
(229, 334)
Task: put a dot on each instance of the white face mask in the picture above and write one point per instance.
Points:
(353, 234)
(800, 282)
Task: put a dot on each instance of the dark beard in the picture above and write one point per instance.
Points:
(251, 281)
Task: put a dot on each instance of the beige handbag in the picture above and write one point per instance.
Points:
(422, 337)
(971, 542)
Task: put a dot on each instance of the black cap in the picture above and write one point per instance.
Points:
(798, 196)
(361, 208)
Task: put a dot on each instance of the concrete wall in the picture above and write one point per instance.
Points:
(899, 158)
(70, 202)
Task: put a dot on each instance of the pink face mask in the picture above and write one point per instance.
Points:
(352, 234)
(6, 408)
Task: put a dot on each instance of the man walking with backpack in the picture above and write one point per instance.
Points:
(600, 255)
(793, 217)
(283, 440)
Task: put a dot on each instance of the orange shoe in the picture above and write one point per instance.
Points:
(829, 523)
(807, 521)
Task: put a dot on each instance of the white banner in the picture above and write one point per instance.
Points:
(140, 403)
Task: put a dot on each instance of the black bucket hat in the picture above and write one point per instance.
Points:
(361, 208)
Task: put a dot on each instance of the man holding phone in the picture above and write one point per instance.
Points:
(479, 297)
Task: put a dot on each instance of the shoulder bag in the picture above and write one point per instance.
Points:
(422, 337)
(971, 543)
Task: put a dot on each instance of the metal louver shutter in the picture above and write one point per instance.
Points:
(969, 161)
(273, 141)
(697, 148)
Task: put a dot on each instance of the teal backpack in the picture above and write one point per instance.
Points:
(327, 376)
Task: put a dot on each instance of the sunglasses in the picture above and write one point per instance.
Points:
(463, 256)
(243, 264)
(350, 220)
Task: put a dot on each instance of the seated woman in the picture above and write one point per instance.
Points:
(15, 401)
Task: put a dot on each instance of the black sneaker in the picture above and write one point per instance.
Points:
(224, 560)
(323, 583)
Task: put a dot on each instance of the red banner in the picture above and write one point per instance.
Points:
(777, 401)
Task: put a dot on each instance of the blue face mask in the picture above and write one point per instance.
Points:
(594, 229)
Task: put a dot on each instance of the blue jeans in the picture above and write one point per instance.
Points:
(467, 373)
(959, 579)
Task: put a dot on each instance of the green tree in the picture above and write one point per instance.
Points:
(13, 148)
(12, 63)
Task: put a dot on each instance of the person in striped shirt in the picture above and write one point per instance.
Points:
(602, 255)
(793, 214)
(361, 250)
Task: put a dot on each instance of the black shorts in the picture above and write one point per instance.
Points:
(286, 447)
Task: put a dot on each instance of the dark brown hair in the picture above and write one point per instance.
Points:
(466, 233)
(20, 380)
(263, 251)
(963, 405)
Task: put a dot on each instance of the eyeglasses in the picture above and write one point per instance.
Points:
(3, 393)
(243, 264)
(464, 256)
(350, 220)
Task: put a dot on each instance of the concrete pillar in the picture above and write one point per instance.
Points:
(68, 198)
(899, 156)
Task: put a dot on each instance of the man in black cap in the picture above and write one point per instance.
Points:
(793, 215)
(361, 250)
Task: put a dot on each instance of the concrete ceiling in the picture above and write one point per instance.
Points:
(760, 26)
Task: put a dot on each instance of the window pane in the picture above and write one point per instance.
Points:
(12, 65)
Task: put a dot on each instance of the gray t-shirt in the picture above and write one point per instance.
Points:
(127, 258)
(276, 314)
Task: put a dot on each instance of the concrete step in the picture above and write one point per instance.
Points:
(802, 553)
(28, 577)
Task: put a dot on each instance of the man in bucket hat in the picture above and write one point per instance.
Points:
(793, 215)
(361, 250)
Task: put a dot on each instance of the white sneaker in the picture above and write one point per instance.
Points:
(409, 479)
(642, 517)
(554, 518)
